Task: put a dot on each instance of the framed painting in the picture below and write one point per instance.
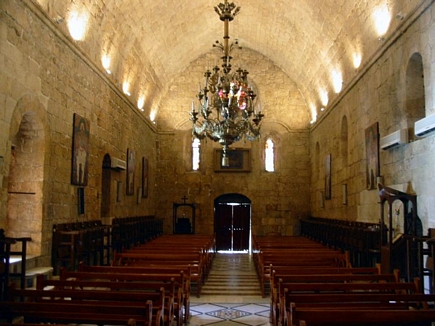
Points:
(239, 160)
(130, 172)
(144, 177)
(80, 151)
(328, 176)
(372, 155)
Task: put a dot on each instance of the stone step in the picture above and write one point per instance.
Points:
(218, 278)
(233, 281)
(231, 292)
(232, 276)
(224, 287)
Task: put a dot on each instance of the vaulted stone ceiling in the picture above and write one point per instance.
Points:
(300, 52)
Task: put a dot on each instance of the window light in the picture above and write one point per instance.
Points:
(196, 144)
(270, 155)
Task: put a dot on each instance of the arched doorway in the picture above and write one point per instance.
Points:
(232, 222)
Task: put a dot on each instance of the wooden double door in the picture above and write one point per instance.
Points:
(232, 226)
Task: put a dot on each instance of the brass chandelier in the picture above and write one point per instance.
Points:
(225, 111)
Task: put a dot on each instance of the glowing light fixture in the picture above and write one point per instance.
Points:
(313, 113)
(141, 103)
(382, 19)
(324, 98)
(153, 115)
(357, 59)
(77, 24)
(105, 61)
(337, 81)
(125, 88)
(225, 111)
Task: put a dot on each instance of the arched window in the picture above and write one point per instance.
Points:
(269, 156)
(415, 94)
(196, 150)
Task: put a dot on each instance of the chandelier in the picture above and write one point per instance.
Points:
(225, 111)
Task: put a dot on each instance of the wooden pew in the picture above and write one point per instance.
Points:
(300, 258)
(361, 317)
(107, 292)
(206, 259)
(261, 244)
(183, 244)
(127, 282)
(182, 290)
(175, 249)
(278, 302)
(156, 259)
(92, 293)
(366, 299)
(281, 272)
(294, 289)
(62, 311)
(278, 272)
(285, 281)
(281, 281)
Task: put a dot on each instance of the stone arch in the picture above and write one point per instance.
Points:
(185, 140)
(276, 139)
(232, 222)
(414, 108)
(29, 149)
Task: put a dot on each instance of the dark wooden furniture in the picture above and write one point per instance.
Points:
(360, 239)
(7, 250)
(94, 243)
(184, 217)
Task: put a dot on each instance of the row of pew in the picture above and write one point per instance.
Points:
(94, 242)
(149, 284)
(360, 239)
(311, 284)
(195, 251)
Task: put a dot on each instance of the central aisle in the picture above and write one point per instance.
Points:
(231, 295)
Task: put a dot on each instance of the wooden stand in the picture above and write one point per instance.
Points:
(184, 217)
(392, 248)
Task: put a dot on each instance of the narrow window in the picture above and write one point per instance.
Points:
(195, 154)
(270, 155)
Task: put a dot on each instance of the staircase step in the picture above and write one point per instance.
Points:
(232, 275)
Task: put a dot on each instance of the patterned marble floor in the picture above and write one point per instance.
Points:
(230, 306)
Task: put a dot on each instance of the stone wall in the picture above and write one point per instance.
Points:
(381, 94)
(279, 199)
(46, 77)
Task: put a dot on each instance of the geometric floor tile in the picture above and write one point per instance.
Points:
(233, 305)
(229, 314)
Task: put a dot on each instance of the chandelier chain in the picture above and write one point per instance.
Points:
(225, 110)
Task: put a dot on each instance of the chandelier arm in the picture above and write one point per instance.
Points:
(226, 103)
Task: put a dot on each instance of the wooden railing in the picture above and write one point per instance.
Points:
(360, 239)
(11, 247)
(94, 243)
(131, 231)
